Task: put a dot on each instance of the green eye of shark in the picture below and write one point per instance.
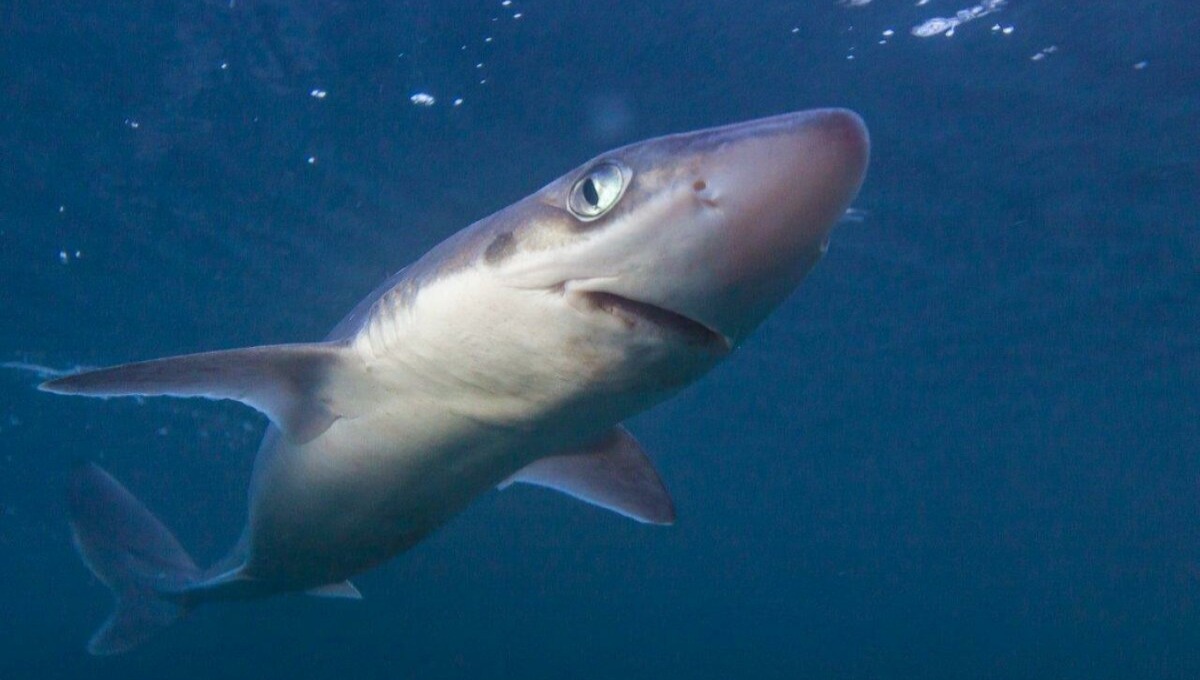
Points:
(598, 191)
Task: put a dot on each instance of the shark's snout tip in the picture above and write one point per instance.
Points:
(844, 128)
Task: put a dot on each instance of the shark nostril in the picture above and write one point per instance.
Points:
(703, 194)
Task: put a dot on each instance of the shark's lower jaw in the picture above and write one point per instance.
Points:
(677, 325)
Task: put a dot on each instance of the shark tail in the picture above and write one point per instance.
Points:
(132, 553)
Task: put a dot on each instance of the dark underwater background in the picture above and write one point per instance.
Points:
(968, 447)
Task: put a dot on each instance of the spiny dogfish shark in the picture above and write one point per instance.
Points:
(509, 353)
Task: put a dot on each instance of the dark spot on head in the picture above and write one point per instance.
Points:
(500, 248)
(700, 185)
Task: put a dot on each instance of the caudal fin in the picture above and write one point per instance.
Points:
(133, 554)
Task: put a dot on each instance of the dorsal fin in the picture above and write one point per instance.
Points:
(290, 384)
(613, 473)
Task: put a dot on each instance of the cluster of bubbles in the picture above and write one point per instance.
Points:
(508, 11)
(947, 25)
(937, 25)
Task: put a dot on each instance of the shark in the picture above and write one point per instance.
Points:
(508, 354)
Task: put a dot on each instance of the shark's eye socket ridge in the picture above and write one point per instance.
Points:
(598, 190)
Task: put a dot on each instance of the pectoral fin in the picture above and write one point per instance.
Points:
(344, 591)
(613, 473)
(290, 384)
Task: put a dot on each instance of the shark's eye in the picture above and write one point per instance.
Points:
(598, 191)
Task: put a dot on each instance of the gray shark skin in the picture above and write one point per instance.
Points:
(509, 353)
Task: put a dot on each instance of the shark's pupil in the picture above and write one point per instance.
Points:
(590, 194)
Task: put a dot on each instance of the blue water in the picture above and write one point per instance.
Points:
(969, 446)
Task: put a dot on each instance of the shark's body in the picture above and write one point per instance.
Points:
(510, 352)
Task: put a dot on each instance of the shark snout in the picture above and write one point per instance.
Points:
(778, 186)
(788, 174)
(844, 131)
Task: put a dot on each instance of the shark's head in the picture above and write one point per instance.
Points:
(701, 233)
(639, 270)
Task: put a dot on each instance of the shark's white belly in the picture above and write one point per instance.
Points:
(369, 488)
(424, 439)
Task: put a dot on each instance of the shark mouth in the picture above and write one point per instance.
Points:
(633, 312)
